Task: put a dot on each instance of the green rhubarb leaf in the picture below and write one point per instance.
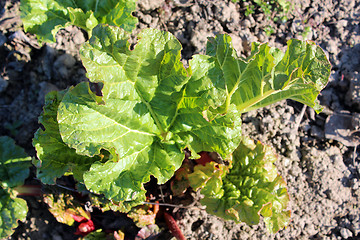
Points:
(14, 162)
(14, 170)
(204, 131)
(45, 18)
(266, 77)
(122, 180)
(12, 209)
(146, 115)
(55, 158)
(248, 188)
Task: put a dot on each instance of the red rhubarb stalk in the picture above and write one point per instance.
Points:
(173, 227)
(29, 190)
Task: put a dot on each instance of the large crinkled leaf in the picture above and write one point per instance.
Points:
(250, 187)
(146, 116)
(45, 17)
(55, 157)
(12, 209)
(14, 162)
(122, 180)
(266, 77)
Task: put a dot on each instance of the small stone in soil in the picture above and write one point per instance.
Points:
(79, 38)
(346, 233)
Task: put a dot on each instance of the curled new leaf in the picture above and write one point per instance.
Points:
(250, 187)
(45, 18)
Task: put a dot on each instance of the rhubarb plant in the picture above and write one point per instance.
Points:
(46, 18)
(151, 108)
(14, 170)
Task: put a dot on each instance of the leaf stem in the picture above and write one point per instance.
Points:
(29, 190)
(157, 122)
(229, 95)
(245, 107)
(177, 110)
